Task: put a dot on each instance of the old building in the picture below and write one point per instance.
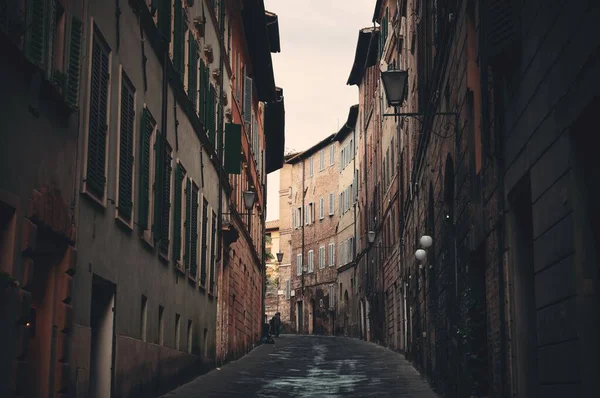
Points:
(310, 179)
(138, 108)
(40, 109)
(477, 263)
(346, 292)
(257, 113)
(277, 297)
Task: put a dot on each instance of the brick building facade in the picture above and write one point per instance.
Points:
(491, 164)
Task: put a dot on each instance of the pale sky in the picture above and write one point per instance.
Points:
(318, 41)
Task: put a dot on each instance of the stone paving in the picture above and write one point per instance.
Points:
(312, 366)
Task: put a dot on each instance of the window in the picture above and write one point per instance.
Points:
(161, 325)
(322, 160)
(147, 173)
(298, 264)
(321, 257)
(331, 254)
(95, 173)
(189, 336)
(164, 19)
(321, 208)
(331, 155)
(213, 252)
(126, 151)
(191, 228)
(178, 43)
(192, 71)
(331, 204)
(143, 318)
(178, 196)
(288, 289)
(162, 214)
(311, 265)
(310, 166)
(204, 249)
(177, 330)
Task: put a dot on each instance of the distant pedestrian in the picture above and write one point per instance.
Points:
(277, 324)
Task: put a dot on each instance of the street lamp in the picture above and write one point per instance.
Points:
(420, 254)
(394, 84)
(279, 257)
(371, 236)
(249, 199)
(426, 241)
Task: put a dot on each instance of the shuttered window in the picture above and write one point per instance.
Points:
(188, 223)
(178, 38)
(213, 249)
(39, 14)
(298, 264)
(311, 265)
(331, 204)
(321, 208)
(193, 242)
(193, 71)
(165, 210)
(148, 126)
(177, 210)
(247, 100)
(321, 257)
(211, 114)
(164, 19)
(126, 137)
(204, 251)
(74, 64)
(97, 129)
(331, 254)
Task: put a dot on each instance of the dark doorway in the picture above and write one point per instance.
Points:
(102, 345)
(300, 317)
(523, 289)
(315, 314)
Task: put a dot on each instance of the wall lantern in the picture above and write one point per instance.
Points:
(394, 84)
(426, 241)
(249, 199)
(279, 257)
(420, 254)
(371, 236)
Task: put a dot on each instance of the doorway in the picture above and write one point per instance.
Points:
(102, 347)
(300, 317)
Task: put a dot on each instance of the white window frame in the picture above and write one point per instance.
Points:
(310, 166)
(311, 264)
(321, 257)
(331, 254)
(148, 234)
(331, 203)
(321, 208)
(299, 264)
(332, 155)
(322, 160)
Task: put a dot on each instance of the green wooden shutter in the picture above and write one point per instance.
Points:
(147, 128)
(179, 173)
(202, 107)
(166, 201)
(212, 252)
(233, 148)
(74, 65)
(36, 34)
(188, 221)
(178, 39)
(203, 250)
(212, 98)
(194, 233)
(125, 204)
(502, 31)
(164, 19)
(192, 71)
(96, 159)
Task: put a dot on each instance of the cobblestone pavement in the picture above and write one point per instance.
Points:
(312, 366)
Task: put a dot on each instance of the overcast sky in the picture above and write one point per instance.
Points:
(318, 40)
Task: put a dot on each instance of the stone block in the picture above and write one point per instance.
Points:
(558, 364)
(554, 244)
(557, 322)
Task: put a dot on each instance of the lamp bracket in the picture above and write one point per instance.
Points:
(449, 127)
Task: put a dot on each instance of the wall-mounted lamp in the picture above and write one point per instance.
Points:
(279, 257)
(421, 254)
(426, 241)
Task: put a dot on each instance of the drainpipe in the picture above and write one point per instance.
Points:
(219, 140)
(303, 212)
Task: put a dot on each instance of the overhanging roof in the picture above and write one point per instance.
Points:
(275, 132)
(258, 40)
(273, 30)
(364, 56)
(310, 151)
(350, 124)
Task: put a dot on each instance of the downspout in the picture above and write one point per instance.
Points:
(219, 139)
(303, 212)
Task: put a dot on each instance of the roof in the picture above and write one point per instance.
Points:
(313, 149)
(273, 224)
(273, 28)
(365, 55)
(350, 124)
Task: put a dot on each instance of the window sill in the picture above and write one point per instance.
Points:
(146, 238)
(192, 279)
(203, 288)
(123, 223)
(179, 268)
(164, 258)
(93, 198)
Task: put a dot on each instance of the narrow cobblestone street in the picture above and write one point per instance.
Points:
(312, 366)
